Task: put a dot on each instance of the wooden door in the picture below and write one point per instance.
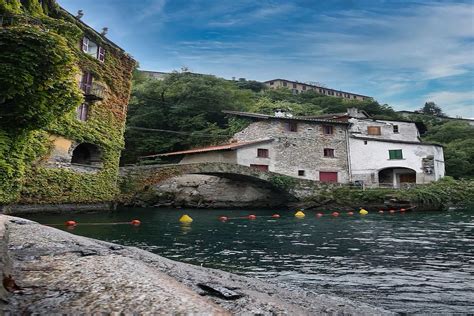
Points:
(327, 176)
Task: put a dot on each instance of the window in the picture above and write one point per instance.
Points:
(271, 83)
(329, 152)
(292, 126)
(395, 128)
(86, 82)
(92, 49)
(284, 84)
(301, 173)
(260, 167)
(373, 130)
(328, 130)
(304, 87)
(262, 153)
(395, 154)
(82, 111)
(365, 142)
(294, 85)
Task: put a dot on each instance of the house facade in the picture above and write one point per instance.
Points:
(388, 153)
(312, 149)
(78, 153)
(301, 87)
(341, 147)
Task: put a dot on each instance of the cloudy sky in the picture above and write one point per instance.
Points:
(400, 52)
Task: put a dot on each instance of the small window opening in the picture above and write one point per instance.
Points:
(395, 128)
(262, 153)
(292, 126)
(328, 130)
(329, 152)
(301, 173)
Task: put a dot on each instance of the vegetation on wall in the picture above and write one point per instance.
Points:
(42, 97)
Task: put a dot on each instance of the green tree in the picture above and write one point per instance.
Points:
(187, 103)
(458, 140)
(430, 108)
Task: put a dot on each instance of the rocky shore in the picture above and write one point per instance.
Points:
(47, 271)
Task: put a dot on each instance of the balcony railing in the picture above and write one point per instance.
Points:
(15, 20)
(93, 91)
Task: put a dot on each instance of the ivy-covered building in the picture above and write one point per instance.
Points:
(63, 109)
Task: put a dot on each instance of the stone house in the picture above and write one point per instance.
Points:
(80, 150)
(339, 147)
(307, 148)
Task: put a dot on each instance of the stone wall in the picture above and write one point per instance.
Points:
(5, 263)
(203, 191)
(301, 150)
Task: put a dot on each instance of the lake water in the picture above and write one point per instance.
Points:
(417, 262)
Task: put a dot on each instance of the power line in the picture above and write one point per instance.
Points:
(179, 132)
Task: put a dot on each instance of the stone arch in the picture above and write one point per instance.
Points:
(87, 154)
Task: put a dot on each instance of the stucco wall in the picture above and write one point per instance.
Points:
(368, 159)
(212, 156)
(293, 151)
(406, 131)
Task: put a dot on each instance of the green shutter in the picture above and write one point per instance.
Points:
(395, 154)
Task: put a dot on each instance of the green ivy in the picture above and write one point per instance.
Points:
(34, 107)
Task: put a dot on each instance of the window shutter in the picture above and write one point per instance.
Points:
(85, 44)
(101, 54)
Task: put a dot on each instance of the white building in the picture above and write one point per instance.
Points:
(390, 153)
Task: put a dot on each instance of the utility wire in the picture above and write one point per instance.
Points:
(200, 134)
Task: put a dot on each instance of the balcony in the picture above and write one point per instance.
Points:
(93, 91)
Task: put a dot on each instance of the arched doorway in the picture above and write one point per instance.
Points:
(87, 154)
(396, 177)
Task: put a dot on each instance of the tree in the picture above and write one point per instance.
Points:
(456, 136)
(189, 104)
(430, 108)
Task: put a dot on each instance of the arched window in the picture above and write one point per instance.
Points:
(87, 154)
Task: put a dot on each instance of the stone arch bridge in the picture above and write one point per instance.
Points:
(139, 179)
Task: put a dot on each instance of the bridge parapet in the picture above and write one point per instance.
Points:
(136, 179)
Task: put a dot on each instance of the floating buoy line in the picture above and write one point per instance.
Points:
(186, 219)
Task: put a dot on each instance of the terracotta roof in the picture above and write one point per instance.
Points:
(229, 146)
(295, 118)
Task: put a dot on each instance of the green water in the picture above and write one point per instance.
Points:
(418, 262)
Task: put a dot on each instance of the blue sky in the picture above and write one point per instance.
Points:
(400, 52)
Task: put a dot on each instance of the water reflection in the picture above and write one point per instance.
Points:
(413, 262)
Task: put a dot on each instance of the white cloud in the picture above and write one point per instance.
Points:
(153, 8)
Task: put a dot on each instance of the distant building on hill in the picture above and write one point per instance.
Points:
(300, 87)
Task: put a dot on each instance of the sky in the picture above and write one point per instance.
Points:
(403, 53)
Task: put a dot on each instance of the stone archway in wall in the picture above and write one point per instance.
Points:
(396, 177)
(86, 154)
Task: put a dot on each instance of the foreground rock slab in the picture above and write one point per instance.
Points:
(60, 273)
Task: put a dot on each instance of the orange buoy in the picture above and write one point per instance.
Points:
(335, 214)
(252, 216)
(135, 222)
(223, 218)
(350, 213)
(276, 216)
(71, 223)
(319, 214)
